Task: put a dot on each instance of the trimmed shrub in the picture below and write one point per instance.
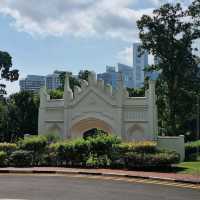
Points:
(21, 158)
(159, 159)
(37, 145)
(95, 161)
(3, 156)
(8, 147)
(81, 149)
(73, 153)
(103, 144)
(139, 147)
(52, 137)
(191, 150)
(51, 157)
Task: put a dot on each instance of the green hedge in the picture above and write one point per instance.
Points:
(21, 158)
(37, 145)
(95, 161)
(159, 159)
(108, 151)
(8, 147)
(3, 156)
(139, 147)
(102, 150)
(191, 150)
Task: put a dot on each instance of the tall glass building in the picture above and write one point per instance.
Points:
(140, 61)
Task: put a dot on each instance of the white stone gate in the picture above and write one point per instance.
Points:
(96, 105)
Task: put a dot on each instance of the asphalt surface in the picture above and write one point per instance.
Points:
(45, 187)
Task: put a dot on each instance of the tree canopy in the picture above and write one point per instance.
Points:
(19, 116)
(169, 36)
(5, 70)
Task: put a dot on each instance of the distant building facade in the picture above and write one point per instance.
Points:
(109, 77)
(139, 63)
(32, 83)
(127, 74)
(52, 81)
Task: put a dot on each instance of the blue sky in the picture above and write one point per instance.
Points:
(69, 34)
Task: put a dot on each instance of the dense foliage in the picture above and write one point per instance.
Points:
(191, 149)
(8, 147)
(169, 36)
(6, 72)
(140, 92)
(3, 157)
(19, 116)
(21, 158)
(35, 144)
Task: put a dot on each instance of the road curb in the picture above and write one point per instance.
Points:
(78, 172)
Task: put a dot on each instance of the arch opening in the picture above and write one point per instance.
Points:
(89, 126)
(94, 132)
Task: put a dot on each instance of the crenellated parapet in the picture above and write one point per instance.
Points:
(119, 95)
(98, 85)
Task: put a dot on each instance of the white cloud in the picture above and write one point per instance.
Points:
(113, 18)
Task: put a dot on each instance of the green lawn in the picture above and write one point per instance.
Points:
(190, 167)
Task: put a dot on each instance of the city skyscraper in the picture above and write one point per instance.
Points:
(140, 61)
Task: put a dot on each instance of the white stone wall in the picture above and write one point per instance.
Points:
(173, 143)
(96, 105)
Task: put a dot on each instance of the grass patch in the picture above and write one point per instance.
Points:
(190, 167)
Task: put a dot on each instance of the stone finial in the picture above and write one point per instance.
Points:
(77, 90)
(66, 86)
(120, 82)
(43, 96)
(100, 84)
(84, 84)
(92, 79)
(108, 89)
(68, 94)
(126, 93)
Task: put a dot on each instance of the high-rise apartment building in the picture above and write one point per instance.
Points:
(140, 61)
(32, 83)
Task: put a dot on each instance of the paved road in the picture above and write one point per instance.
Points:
(44, 187)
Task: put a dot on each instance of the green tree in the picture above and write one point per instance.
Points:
(72, 80)
(6, 72)
(56, 94)
(19, 116)
(3, 121)
(26, 110)
(84, 74)
(140, 92)
(169, 36)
